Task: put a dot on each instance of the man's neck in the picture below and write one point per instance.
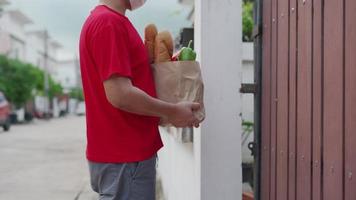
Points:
(115, 5)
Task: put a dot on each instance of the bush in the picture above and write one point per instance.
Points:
(54, 87)
(16, 81)
(247, 21)
(20, 81)
(77, 93)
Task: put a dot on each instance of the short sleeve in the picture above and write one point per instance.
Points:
(110, 52)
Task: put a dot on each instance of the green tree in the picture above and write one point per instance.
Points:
(38, 76)
(55, 88)
(16, 81)
(77, 93)
(20, 81)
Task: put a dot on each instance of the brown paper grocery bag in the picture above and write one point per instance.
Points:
(179, 81)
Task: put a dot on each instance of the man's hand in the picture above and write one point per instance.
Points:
(183, 115)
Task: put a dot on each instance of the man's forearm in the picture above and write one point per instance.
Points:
(138, 102)
(123, 95)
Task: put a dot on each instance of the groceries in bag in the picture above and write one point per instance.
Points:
(178, 78)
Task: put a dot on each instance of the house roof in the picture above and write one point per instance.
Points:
(20, 17)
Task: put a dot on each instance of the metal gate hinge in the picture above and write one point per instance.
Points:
(257, 31)
(252, 147)
(248, 88)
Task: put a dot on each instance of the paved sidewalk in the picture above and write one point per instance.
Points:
(45, 161)
(86, 193)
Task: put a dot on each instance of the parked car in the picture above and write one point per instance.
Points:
(5, 112)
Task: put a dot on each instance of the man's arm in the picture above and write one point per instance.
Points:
(123, 95)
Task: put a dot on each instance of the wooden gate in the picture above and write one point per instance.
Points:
(308, 114)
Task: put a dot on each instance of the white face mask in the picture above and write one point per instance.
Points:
(135, 4)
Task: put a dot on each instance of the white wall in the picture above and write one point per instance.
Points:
(210, 168)
(177, 168)
(66, 74)
(12, 26)
(13, 35)
(35, 52)
(5, 41)
(218, 38)
(35, 48)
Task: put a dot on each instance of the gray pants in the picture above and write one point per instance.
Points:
(124, 181)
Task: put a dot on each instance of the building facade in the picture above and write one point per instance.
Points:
(13, 34)
(38, 48)
(42, 51)
(35, 47)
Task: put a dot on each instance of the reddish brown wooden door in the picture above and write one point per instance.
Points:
(308, 116)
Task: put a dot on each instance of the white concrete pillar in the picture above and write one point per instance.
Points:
(218, 38)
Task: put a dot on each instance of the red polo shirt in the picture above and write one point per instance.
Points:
(110, 45)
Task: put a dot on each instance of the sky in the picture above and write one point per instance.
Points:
(64, 18)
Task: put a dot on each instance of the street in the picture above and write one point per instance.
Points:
(45, 160)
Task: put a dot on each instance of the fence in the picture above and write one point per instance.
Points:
(308, 122)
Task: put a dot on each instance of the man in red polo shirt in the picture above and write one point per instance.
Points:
(122, 111)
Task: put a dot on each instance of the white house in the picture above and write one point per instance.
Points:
(36, 47)
(30, 46)
(2, 4)
(67, 73)
(13, 34)
(26, 46)
(63, 69)
(209, 167)
(5, 45)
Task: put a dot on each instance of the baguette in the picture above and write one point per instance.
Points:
(150, 38)
(163, 47)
